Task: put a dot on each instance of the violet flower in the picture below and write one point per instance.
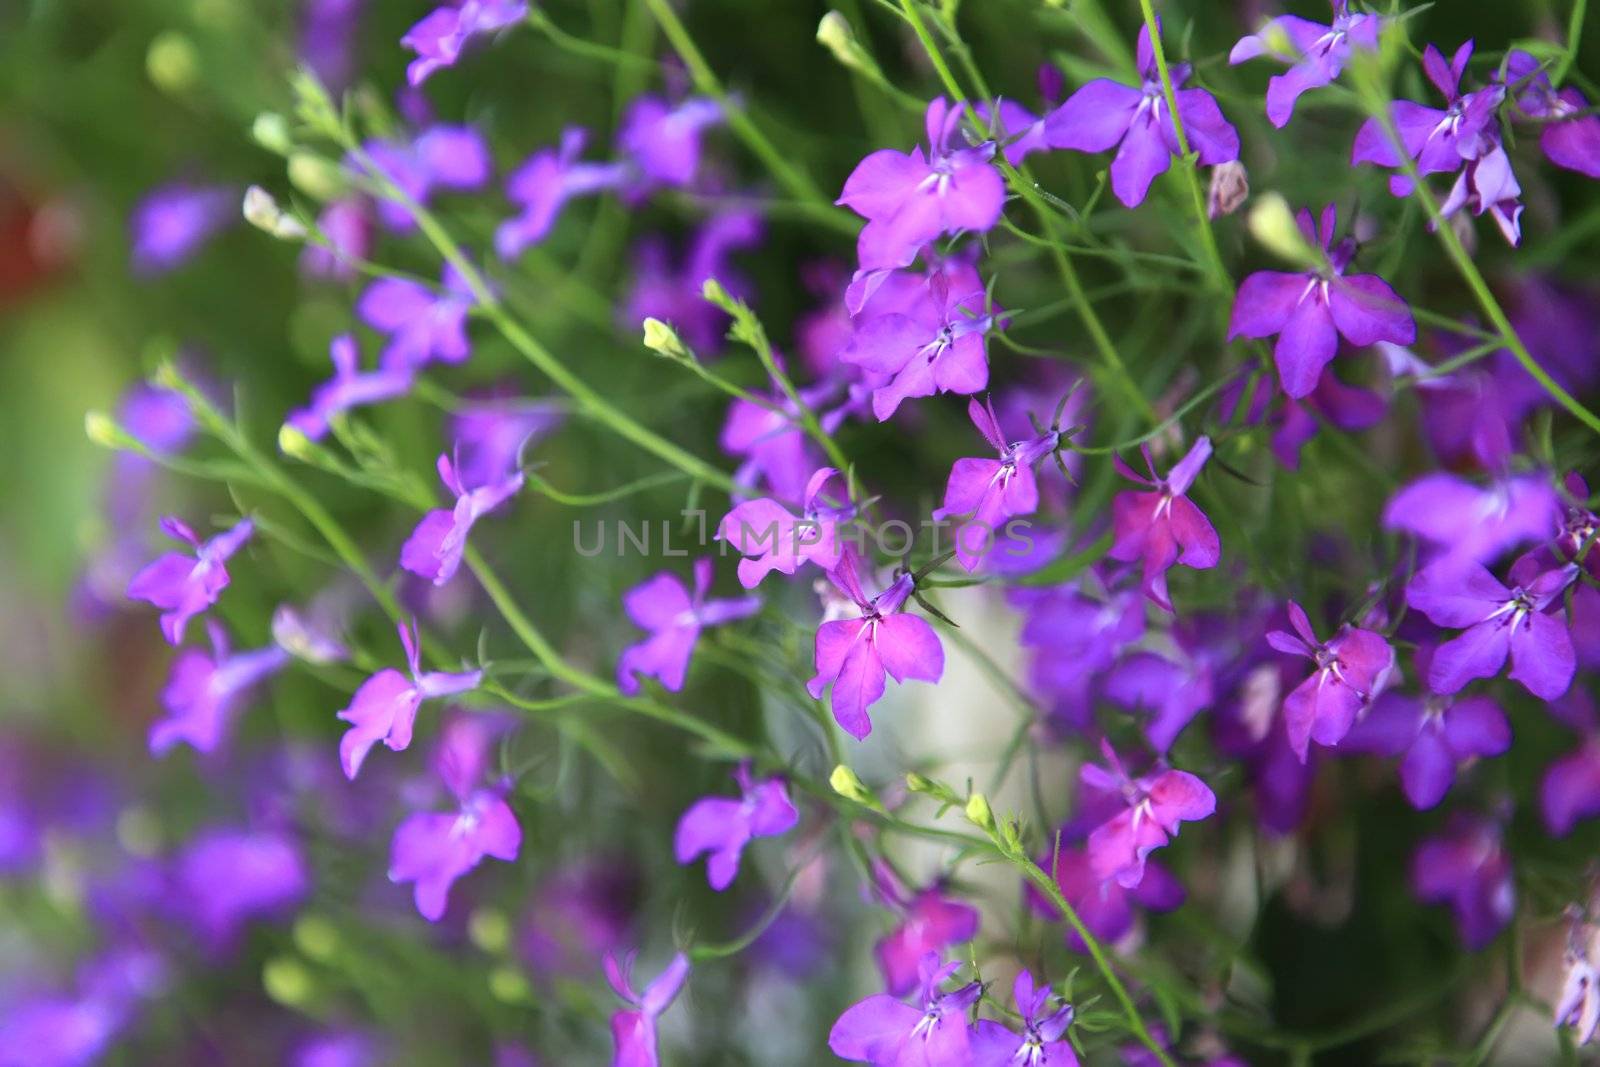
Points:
(1023, 132)
(674, 293)
(1498, 622)
(491, 434)
(1103, 905)
(1042, 1042)
(634, 1032)
(935, 346)
(1467, 868)
(174, 221)
(440, 35)
(346, 225)
(1310, 311)
(226, 877)
(1569, 792)
(887, 1032)
(185, 584)
(1319, 53)
(433, 551)
(775, 449)
(662, 142)
(440, 157)
(1471, 524)
(854, 654)
(433, 849)
(908, 199)
(1175, 687)
(722, 827)
(1104, 114)
(1152, 808)
(203, 692)
(1351, 668)
(1163, 527)
(674, 618)
(422, 324)
(1433, 733)
(930, 922)
(1569, 133)
(348, 388)
(385, 707)
(774, 539)
(544, 183)
(990, 491)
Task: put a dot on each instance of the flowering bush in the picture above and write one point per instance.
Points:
(1242, 659)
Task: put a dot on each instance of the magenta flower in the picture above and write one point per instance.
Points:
(1569, 132)
(1350, 670)
(433, 551)
(174, 221)
(1163, 527)
(674, 618)
(1498, 622)
(1570, 789)
(1320, 53)
(854, 654)
(1471, 524)
(1310, 311)
(773, 447)
(441, 157)
(1175, 687)
(990, 491)
(433, 849)
(544, 183)
(775, 539)
(224, 878)
(908, 199)
(663, 142)
(1104, 114)
(422, 324)
(491, 434)
(348, 388)
(1433, 733)
(634, 1032)
(935, 346)
(673, 292)
(722, 827)
(440, 35)
(347, 226)
(1467, 868)
(1104, 906)
(385, 707)
(887, 1032)
(1042, 1042)
(203, 692)
(1153, 806)
(930, 923)
(185, 584)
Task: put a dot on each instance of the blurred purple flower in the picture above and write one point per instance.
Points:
(542, 185)
(659, 291)
(440, 157)
(674, 618)
(347, 226)
(662, 142)
(722, 827)
(434, 549)
(348, 388)
(1569, 131)
(226, 878)
(1467, 868)
(174, 221)
(1103, 905)
(204, 692)
(423, 324)
(442, 33)
(182, 584)
(491, 433)
(1472, 525)
(930, 922)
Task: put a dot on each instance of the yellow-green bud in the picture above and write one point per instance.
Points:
(316, 176)
(978, 812)
(1272, 223)
(663, 340)
(270, 130)
(287, 981)
(714, 293)
(316, 937)
(918, 784)
(104, 431)
(263, 212)
(172, 63)
(293, 443)
(490, 930)
(847, 785)
(509, 985)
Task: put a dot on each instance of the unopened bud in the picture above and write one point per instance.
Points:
(918, 784)
(1230, 187)
(104, 431)
(287, 981)
(509, 985)
(312, 102)
(714, 293)
(847, 785)
(978, 813)
(1273, 224)
(293, 442)
(270, 130)
(316, 176)
(172, 63)
(836, 35)
(663, 340)
(263, 212)
(489, 930)
(316, 937)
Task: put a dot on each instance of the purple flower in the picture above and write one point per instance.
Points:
(1310, 311)
(930, 922)
(663, 142)
(1022, 131)
(338, 1048)
(385, 707)
(1473, 525)
(1350, 670)
(312, 635)
(1104, 906)
(327, 39)
(1320, 53)
(1175, 689)
(634, 1032)
(1150, 811)
(1103, 114)
(185, 584)
(433, 550)
(776, 539)
(491, 434)
(674, 618)
(225, 878)
(174, 221)
(347, 226)
(1568, 134)
(775, 449)
(441, 157)
(348, 388)
(1467, 868)
(722, 827)
(1433, 733)
(1164, 527)
(936, 345)
(544, 183)
(433, 849)
(991, 491)
(661, 290)
(1579, 1004)
(1042, 1042)
(422, 324)
(203, 692)
(854, 654)
(1498, 622)
(887, 1032)
(908, 199)
(1570, 788)
(441, 34)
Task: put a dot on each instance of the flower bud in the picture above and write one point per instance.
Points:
(663, 340)
(509, 985)
(978, 813)
(835, 34)
(317, 177)
(1272, 224)
(104, 431)
(918, 784)
(847, 785)
(313, 104)
(714, 293)
(489, 930)
(293, 442)
(316, 937)
(270, 130)
(287, 981)
(263, 212)
(1230, 187)
(172, 63)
